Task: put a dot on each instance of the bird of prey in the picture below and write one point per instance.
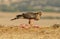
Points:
(29, 15)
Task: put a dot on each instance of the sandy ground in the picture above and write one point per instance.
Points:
(16, 32)
(6, 16)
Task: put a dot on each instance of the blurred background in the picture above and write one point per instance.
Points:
(10, 8)
(29, 5)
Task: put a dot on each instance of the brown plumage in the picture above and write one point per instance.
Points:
(29, 15)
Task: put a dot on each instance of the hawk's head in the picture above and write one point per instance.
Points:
(39, 13)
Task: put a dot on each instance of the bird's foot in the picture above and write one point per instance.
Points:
(36, 26)
(25, 26)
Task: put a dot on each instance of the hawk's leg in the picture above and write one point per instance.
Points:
(31, 22)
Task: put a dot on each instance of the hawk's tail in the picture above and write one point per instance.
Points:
(14, 19)
(17, 17)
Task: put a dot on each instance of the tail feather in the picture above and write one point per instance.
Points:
(14, 19)
(17, 17)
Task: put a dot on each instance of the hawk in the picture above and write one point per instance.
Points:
(29, 15)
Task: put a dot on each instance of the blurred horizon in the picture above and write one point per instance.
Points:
(29, 5)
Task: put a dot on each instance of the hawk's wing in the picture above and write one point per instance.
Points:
(29, 15)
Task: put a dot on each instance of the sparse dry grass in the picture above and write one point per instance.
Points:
(16, 32)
